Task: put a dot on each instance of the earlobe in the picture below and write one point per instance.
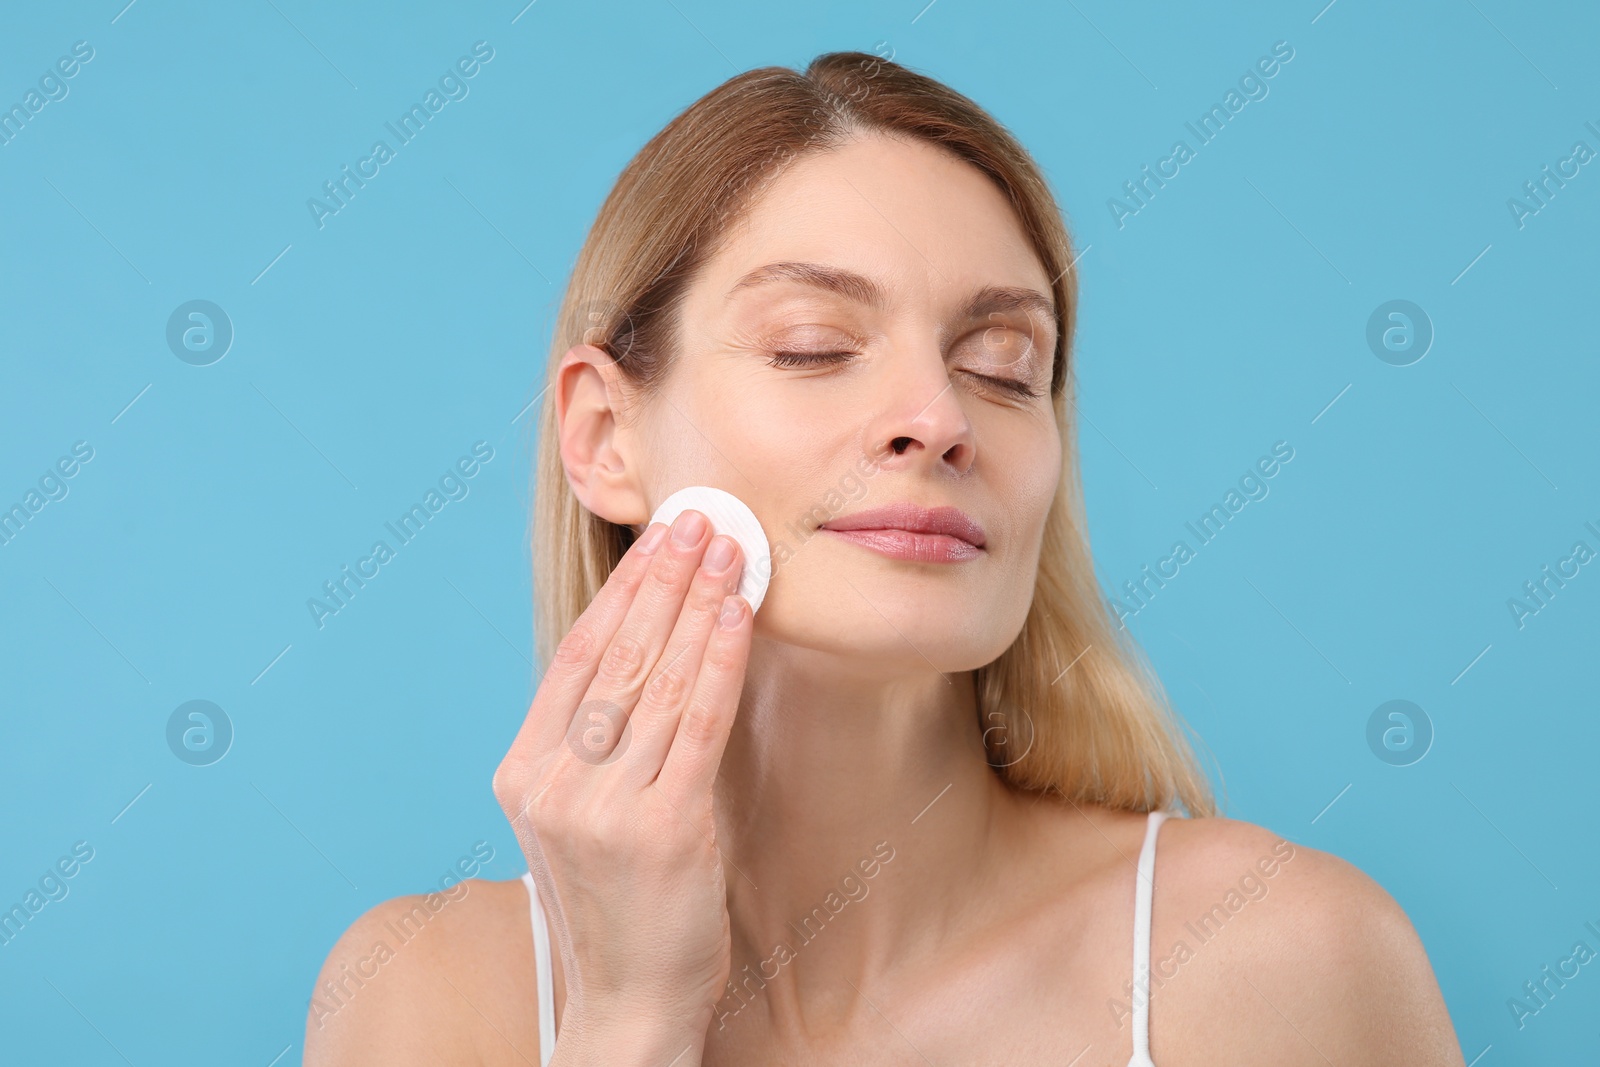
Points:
(595, 443)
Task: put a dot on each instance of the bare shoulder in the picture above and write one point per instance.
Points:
(1276, 952)
(436, 978)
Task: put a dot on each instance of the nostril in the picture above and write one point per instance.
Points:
(900, 444)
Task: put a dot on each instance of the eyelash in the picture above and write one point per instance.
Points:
(801, 359)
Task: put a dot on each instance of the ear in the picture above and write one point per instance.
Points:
(595, 446)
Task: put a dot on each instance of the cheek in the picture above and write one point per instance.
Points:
(728, 435)
(669, 459)
(777, 438)
(1026, 472)
(701, 436)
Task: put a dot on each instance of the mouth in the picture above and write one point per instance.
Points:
(912, 532)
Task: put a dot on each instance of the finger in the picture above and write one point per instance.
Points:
(577, 657)
(654, 721)
(707, 719)
(637, 644)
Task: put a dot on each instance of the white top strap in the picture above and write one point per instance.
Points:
(541, 960)
(1143, 895)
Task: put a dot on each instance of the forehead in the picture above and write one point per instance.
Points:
(903, 212)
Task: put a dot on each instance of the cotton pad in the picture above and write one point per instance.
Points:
(728, 515)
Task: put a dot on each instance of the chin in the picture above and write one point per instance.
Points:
(892, 636)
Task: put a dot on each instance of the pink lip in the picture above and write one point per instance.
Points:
(911, 532)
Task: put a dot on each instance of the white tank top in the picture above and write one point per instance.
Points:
(1142, 896)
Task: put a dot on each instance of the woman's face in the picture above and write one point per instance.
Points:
(903, 355)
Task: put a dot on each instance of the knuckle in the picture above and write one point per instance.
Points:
(668, 688)
(705, 599)
(578, 646)
(665, 573)
(510, 784)
(622, 661)
(723, 658)
(700, 724)
(503, 783)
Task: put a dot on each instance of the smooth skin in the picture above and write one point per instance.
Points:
(769, 759)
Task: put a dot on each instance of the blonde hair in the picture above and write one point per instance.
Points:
(1072, 706)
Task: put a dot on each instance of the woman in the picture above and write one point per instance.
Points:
(909, 814)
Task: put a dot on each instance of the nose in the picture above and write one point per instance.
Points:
(923, 425)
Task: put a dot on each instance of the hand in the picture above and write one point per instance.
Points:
(608, 786)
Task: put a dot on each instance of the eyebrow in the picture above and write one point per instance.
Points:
(845, 283)
(864, 290)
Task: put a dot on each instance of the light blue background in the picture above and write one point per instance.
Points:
(1223, 317)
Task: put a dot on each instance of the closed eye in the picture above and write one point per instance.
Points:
(802, 359)
(1010, 385)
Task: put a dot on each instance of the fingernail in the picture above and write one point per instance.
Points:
(688, 527)
(719, 555)
(732, 611)
(651, 539)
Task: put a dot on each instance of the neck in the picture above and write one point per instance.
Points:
(859, 822)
